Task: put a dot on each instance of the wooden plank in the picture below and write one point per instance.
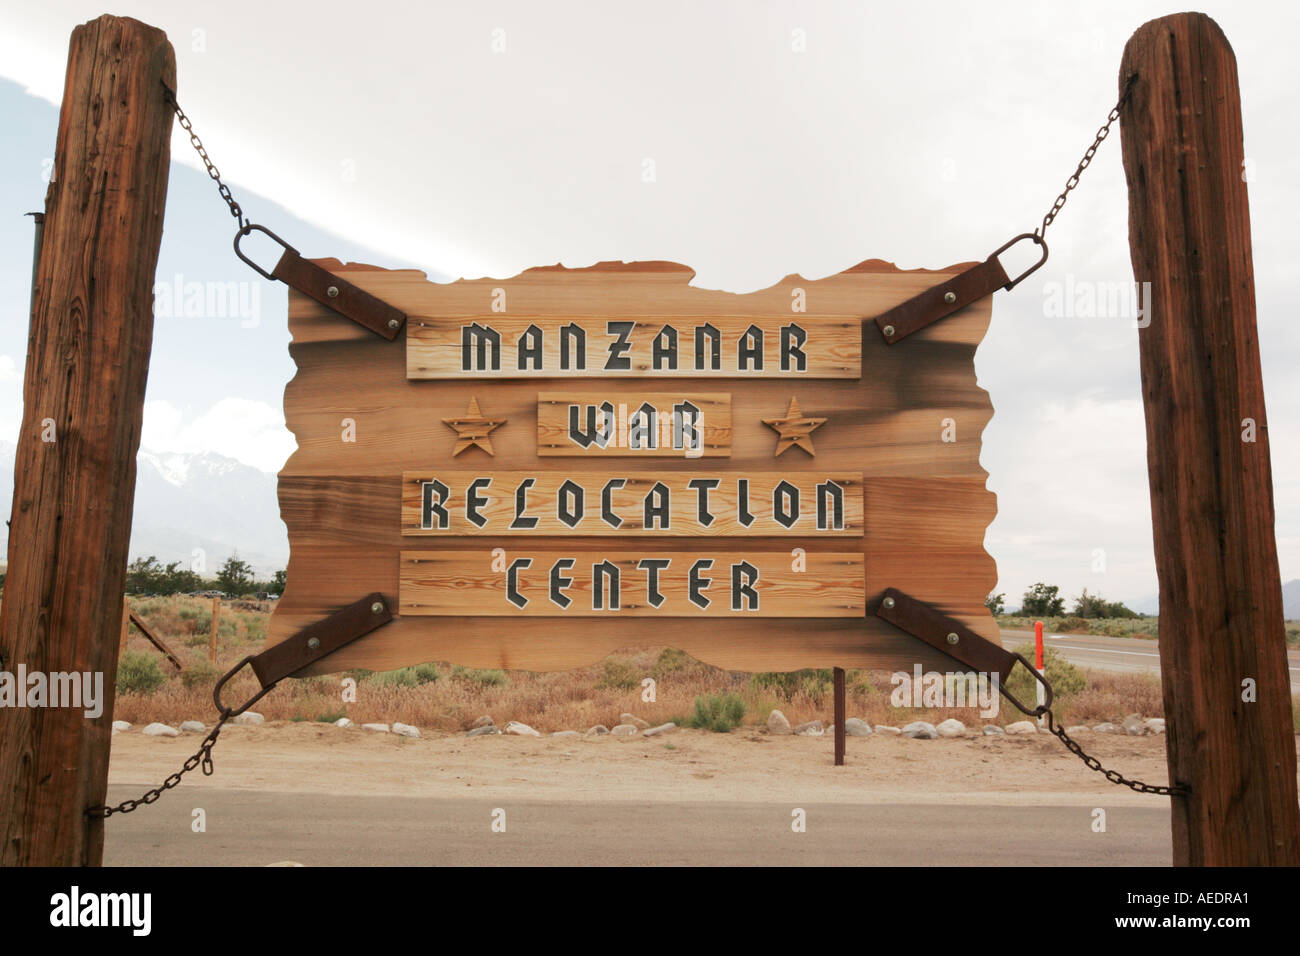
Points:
(83, 395)
(926, 506)
(648, 583)
(615, 503)
(613, 424)
(157, 642)
(499, 346)
(1221, 627)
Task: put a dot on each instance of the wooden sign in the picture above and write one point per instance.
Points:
(749, 506)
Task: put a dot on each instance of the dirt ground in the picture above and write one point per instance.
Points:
(687, 765)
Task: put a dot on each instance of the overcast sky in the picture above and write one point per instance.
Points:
(482, 139)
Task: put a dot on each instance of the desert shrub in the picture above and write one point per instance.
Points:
(816, 684)
(202, 674)
(717, 712)
(407, 676)
(255, 628)
(139, 672)
(617, 675)
(670, 661)
(484, 678)
(1065, 678)
(330, 716)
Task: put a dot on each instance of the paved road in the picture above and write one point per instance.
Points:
(256, 828)
(1117, 653)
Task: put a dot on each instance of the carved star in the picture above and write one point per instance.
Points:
(473, 429)
(794, 429)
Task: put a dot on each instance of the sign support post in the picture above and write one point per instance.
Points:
(1222, 646)
(83, 397)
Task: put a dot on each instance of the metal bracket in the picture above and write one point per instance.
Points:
(961, 290)
(957, 641)
(308, 646)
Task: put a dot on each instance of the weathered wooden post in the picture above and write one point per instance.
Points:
(74, 480)
(1222, 646)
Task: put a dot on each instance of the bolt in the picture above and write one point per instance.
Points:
(394, 324)
(313, 643)
(889, 331)
(950, 297)
(888, 602)
(332, 292)
(377, 608)
(952, 637)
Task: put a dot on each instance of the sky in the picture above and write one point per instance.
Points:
(487, 138)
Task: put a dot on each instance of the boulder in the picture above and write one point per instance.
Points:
(598, 731)
(249, 717)
(920, 730)
(1106, 728)
(885, 729)
(344, 723)
(777, 724)
(951, 728)
(634, 720)
(1078, 729)
(405, 730)
(667, 728)
(193, 727)
(377, 728)
(1156, 725)
(484, 721)
(521, 730)
(993, 730)
(1134, 725)
(624, 730)
(856, 727)
(484, 731)
(121, 725)
(160, 730)
(812, 728)
(1022, 727)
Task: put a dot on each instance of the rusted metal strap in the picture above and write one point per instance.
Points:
(326, 288)
(958, 292)
(957, 641)
(307, 646)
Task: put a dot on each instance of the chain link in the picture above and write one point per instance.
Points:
(1113, 776)
(202, 758)
(213, 172)
(1073, 181)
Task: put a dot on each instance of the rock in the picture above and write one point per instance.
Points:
(1106, 728)
(344, 723)
(993, 730)
(1022, 727)
(812, 728)
(249, 717)
(856, 727)
(1134, 725)
(598, 731)
(883, 729)
(634, 720)
(1156, 725)
(405, 730)
(193, 726)
(160, 730)
(566, 733)
(667, 728)
(485, 730)
(624, 730)
(377, 728)
(121, 725)
(777, 724)
(920, 730)
(1078, 729)
(521, 730)
(484, 721)
(951, 728)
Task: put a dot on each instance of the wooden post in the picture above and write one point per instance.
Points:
(1222, 647)
(838, 677)
(212, 637)
(83, 394)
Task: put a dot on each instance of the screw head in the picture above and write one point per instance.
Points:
(313, 643)
(377, 608)
(889, 331)
(950, 297)
(393, 324)
(332, 292)
(952, 637)
(888, 602)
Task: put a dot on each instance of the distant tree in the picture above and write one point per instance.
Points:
(235, 576)
(178, 580)
(1095, 606)
(996, 603)
(144, 576)
(1042, 600)
(278, 582)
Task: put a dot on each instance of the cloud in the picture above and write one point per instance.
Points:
(248, 431)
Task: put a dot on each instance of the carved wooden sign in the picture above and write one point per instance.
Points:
(543, 469)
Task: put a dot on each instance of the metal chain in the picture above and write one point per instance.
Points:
(213, 172)
(202, 758)
(1113, 776)
(1073, 181)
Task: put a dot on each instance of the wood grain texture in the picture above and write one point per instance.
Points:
(438, 347)
(87, 361)
(925, 503)
(1211, 491)
(634, 424)
(774, 584)
(774, 503)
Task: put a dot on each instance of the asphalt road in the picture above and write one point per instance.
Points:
(247, 827)
(1117, 653)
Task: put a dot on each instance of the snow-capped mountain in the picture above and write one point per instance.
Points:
(185, 501)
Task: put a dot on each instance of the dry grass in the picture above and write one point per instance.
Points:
(567, 700)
